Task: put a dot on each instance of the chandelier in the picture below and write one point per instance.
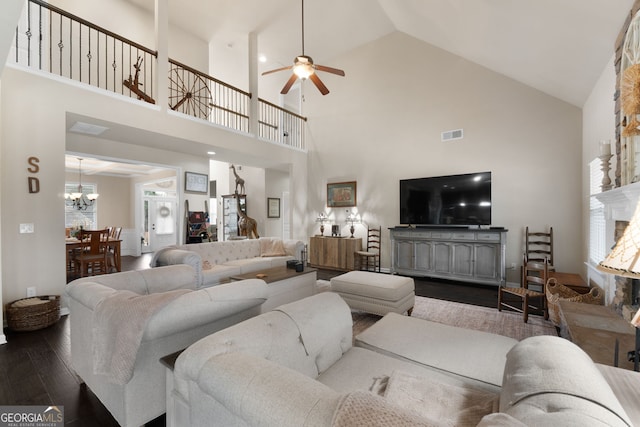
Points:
(79, 200)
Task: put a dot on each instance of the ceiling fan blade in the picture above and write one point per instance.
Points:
(277, 69)
(289, 83)
(329, 70)
(316, 81)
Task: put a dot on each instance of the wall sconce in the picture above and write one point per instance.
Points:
(322, 218)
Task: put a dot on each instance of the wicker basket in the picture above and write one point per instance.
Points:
(557, 291)
(30, 314)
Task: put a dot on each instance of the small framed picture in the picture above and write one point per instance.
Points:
(196, 182)
(341, 194)
(273, 208)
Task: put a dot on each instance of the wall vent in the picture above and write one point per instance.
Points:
(450, 135)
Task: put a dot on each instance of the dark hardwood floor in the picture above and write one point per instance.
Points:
(35, 367)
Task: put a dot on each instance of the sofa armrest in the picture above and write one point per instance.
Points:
(293, 248)
(205, 306)
(89, 294)
(173, 256)
(261, 392)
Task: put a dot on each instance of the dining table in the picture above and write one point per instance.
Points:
(72, 243)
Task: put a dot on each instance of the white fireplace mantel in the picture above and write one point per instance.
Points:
(620, 203)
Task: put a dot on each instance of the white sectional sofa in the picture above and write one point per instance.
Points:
(162, 311)
(296, 366)
(215, 262)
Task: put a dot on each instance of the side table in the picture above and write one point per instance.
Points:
(595, 328)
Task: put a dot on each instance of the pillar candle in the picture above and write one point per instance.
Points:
(605, 148)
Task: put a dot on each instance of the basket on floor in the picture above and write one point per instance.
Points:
(30, 314)
(557, 291)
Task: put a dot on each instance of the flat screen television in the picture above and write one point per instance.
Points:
(453, 200)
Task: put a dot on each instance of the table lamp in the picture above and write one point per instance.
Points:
(322, 218)
(624, 260)
(352, 219)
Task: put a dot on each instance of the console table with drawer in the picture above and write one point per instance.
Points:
(467, 255)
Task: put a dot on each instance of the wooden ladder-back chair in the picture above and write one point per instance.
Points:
(538, 246)
(114, 235)
(533, 273)
(91, 259)
(369, 259)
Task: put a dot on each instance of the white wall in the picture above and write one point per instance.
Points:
(114, 202)
(382, 123)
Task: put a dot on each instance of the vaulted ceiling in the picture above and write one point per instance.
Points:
(558, 47)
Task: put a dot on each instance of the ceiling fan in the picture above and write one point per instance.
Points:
(304, 68)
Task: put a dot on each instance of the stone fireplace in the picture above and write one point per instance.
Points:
(620, 292)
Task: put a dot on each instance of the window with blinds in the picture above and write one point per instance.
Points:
(597, 244)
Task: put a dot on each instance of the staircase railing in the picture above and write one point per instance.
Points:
(53, 40)
(279, 125)
(50, 39)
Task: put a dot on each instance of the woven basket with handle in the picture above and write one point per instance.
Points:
(557, 291)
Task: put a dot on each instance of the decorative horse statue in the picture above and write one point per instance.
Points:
(247, 226)
(239, 181)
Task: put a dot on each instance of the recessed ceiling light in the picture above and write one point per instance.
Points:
(262, 58)
(87, 128)
(211, 153)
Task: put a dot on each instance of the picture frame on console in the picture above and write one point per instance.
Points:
(341, 194)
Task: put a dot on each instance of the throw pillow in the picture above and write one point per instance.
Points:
(272, 247)
(450, 404)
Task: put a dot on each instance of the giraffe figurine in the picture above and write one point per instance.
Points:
(247, 226)
(239, 181)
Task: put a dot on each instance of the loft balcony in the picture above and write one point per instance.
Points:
(52, 40)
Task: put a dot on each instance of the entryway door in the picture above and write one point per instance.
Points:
(160, 223)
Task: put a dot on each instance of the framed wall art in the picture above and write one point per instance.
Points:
(196, 182)
(273, 208)
(341, 194)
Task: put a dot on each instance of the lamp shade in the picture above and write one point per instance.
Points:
(624, 259)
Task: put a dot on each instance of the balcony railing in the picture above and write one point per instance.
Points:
(50, 39)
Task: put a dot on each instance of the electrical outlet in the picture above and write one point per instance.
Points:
(31, 292)
(26, 228)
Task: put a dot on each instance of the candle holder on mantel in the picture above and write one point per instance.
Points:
(605, 166)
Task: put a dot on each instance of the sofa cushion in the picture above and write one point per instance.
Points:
(325, 334)
(219, 273)
(270, 247)
(249, 265)
(552, 381)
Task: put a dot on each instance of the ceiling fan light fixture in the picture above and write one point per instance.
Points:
(303, 70)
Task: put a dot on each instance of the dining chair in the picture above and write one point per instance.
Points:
(533, 273)
(111, 249)
(91, 258)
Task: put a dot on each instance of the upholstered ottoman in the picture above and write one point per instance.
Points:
(375, 293)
